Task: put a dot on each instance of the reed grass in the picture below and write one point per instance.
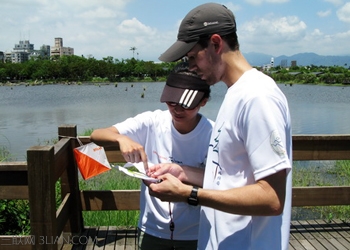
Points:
(334, 173)
(111, 180)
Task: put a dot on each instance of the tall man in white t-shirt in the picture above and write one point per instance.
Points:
(246, 194)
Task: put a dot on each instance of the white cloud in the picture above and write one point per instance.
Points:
(272, 35)
(284, 28)
(100, 12)
(135, 27)
(328, 44)
(324, 13)
(344, 13)
(316, 33)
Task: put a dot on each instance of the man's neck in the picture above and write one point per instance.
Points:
(236, 66)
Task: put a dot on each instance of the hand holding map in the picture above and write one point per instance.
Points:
(141, 174)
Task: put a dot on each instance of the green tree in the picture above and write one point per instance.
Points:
(133, 51)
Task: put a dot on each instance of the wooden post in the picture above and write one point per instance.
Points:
(70, 183)
(42, 199)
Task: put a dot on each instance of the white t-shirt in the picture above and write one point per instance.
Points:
(164, 144)
(251, 139)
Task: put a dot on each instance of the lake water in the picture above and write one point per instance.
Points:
(31, 115)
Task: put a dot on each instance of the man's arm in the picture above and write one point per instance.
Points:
(264, 198)
(105, 136)
(131, 150)
(186, 174)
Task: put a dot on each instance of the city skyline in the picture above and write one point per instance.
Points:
(112, 28)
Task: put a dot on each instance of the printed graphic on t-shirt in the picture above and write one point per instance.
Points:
(217, 170)
(276, 143)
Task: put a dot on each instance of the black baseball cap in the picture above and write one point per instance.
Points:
(186, 90)
(202, 21)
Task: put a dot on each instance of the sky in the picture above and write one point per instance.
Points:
(102, 28)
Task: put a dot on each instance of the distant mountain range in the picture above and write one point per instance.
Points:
(302, 59)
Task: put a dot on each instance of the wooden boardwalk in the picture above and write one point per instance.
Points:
(310, 234)
(105, 237)
(319, 234)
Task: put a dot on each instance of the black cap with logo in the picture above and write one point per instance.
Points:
(204, 20)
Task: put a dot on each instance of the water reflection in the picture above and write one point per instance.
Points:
(31, 115)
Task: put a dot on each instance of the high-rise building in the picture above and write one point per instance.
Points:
(21, 51)
(59, 50)
(45, 50)
(284, 63)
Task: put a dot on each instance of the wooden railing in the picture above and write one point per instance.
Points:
(35, 180)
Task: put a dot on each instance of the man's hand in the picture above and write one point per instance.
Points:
(132, 151)
(170, 189)
(163, 168)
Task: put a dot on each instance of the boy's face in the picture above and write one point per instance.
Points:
(182, 116)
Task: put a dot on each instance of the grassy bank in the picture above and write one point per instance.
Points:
(111, 180)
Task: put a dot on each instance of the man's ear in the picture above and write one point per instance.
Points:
(217, 41)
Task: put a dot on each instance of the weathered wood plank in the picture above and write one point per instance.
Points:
(130, 239)
(342, 228)
(91, 236)
(63, 150)
(311, 235)
(13, 166)
(62, 213)
(321, 147)
(15, 242)
(111, 238)
(14, 192)
(81, 241)
(110, 200)
(298, 235)
(100, 240)
(42, 196)
(13, 173)
(69, 177)
(331, 235)
(322, 236)
(320, 196)
(293, 241)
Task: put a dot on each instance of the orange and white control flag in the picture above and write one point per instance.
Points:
(91, 160)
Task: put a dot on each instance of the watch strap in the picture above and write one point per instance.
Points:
(193, 199)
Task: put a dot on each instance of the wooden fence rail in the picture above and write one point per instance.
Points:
(35, 180)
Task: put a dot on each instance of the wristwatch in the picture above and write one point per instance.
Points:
(193, 199)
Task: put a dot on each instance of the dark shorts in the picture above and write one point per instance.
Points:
(149, 242)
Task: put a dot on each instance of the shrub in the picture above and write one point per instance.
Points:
(14, 217)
